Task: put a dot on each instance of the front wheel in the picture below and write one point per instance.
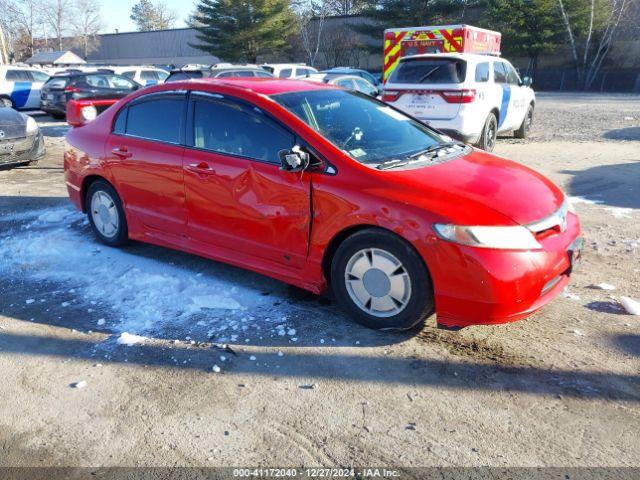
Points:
(525, 128)
(381, 281)
(489, 134)
(106, 215)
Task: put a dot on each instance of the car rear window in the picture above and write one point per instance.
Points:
(430, 70)
(57, 82)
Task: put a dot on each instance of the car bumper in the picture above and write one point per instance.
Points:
(475, 286)
(463, 127)
(22, 150)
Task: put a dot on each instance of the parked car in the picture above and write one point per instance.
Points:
(21, 141)
(350, 82)
(20, 87)
(470, 97)
(145, 76)
(59, 89)
(289, 70)
(369, 77)
(318, 186)
(220, 72)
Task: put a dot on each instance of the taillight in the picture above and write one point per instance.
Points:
(71, 89)
(458, 96)
(390, 95)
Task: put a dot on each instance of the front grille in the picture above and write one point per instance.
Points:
(13, 149)
(554, 223)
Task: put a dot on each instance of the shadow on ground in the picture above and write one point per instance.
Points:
(629, 133)
(628, 343)
(613, 185)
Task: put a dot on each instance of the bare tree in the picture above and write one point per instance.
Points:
(57, 14)
(311, 17)
(20, 19)
(590, 40)
(341, 47)
(345, 7)
(86, 24)
(152, 16)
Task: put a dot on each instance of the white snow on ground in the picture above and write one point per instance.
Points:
(630, 305)
(144, 294)
(588, 201)
(129, 339)
(604, 286)
(619, 212)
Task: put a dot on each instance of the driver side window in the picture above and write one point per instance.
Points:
(229, 127)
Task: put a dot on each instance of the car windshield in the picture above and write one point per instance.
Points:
(368, 130)
(430, 70)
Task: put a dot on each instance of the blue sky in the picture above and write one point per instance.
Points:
(115, 13)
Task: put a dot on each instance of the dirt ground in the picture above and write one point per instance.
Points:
(561, 388)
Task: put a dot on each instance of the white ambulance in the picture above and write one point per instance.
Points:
(471, 97)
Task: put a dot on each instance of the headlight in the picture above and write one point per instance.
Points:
(32, 126)
(89, 112)
(508, 238)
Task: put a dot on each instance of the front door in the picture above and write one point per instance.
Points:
(237, 196)
(144, 155)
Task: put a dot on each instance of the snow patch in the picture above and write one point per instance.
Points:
(588, 201)
(129, 339)
(619, 212)
(604, 286)
(630, 305)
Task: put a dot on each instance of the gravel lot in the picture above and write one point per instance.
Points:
(559, 389)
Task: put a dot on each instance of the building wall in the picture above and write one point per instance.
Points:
(157, 47)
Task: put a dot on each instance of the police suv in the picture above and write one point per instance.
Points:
(470, 97)
(20, 87)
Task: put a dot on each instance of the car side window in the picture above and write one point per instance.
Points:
(148, 75)
(143, 118)
(499, 72)
(512, 75)
(229, 127)
(262, 74)
(121, 122)
(482, 72)
(346, 83)
(18, 76)
(129, 74)
(285, 73)
(39, 76)
(364, 86)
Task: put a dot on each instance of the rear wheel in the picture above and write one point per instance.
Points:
(106, 215)
(489, 134)
(381, 281)
(525, 128)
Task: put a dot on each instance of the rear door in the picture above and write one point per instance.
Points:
(418, 86)
(237, 196)
(104, 85)
(20, 84)
(144, 154)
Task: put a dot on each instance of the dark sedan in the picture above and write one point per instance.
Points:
(21, 141)
(59, 89)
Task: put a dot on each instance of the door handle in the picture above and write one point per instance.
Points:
(201, 167)
(121, 152)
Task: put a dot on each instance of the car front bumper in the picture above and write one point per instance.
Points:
(22, 150)
(476, 286)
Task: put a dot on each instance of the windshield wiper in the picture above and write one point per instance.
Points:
(424, 77)
(418, 156)
(434, 148)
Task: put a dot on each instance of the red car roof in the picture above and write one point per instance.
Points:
(267, 86)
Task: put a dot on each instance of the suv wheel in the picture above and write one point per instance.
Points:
(381, 281)
(489, 134)
(106, 215)
(525, 128)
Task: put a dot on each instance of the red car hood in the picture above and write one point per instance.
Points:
(482, 189)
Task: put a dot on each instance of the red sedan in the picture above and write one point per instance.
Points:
(320, 187)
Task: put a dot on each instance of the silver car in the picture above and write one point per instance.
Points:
(21, 140)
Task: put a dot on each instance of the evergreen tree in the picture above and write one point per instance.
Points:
(240, 30)
(529, 27)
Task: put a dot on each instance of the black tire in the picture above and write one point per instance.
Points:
(59, 116)
(6, 102)
(525, 128)
(419, 304)
(121, 235)
(489, 133)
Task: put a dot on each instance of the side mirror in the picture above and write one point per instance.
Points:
(294, 160)
(527, 81)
